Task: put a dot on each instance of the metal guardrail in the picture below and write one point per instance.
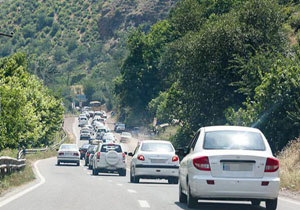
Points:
(8, 165)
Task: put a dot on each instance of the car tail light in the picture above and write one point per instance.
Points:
(141, 157)
(175, 158)
(212, 182)
(98, 155)
(202, 163)
(123, 155)
(272, 165)
(75, 154)
(61, 153)
(87, 154)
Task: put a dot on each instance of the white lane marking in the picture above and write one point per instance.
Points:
(20, 194)
(290, 201)
(120, 184)
(144, 204)
(131, 191)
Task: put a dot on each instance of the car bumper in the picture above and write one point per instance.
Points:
(156, 171)
(68, 159)
(234, 188)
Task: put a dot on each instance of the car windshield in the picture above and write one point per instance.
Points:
(111, 147)
(68, 146)
(233, 140)
(82, 118)
(157, 147)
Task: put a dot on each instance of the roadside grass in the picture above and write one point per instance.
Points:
(26, 175)
(166, 133)
(289, 159)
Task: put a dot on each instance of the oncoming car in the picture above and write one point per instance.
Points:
(68, 153)
(229, 162)
(154, 159)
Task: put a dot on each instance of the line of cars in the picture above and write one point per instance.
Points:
(220, 163)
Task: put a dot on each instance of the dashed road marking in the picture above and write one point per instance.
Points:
(131, 191)
(144, 204)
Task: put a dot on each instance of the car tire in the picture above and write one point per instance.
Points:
(122, 172)
(85, 163)
(255, 202)
(271, 204)
(90, 167)
(131, 177)
(191, 201)
(58, 163)
(95, 172)
(78, 163)
(182, 196)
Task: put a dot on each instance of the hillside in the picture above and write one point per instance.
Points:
(75, 42)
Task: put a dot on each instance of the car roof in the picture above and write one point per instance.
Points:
(155, 141)
(230, 128)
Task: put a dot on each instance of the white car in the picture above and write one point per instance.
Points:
(229, 162)
(68, 153)
(85, 134)
(153, 159)
(109, 158)
(83, 121)
(125, 137)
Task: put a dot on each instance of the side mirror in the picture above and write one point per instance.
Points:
(57, 149)
(130, 154)
(125, 153)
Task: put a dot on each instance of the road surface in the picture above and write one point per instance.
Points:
(71, 187)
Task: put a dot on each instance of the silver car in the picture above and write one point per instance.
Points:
(68, 153)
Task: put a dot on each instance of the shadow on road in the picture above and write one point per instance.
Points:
(67, 165)
(220, 206)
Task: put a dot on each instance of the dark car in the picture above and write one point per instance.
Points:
(90, 151)
(83, 150)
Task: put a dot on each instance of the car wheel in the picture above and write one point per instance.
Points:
(191, 201)
(122, 172)
(271, 204)
(95, 172)
(131, 177)
(85, 163)
(255, 202)
(78, 163)
(182, 196)
(90, 167)
(58, 163)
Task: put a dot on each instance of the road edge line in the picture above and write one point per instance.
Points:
(24, 192)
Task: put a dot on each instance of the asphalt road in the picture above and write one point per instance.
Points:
(72, 187)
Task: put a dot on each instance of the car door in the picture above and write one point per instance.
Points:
(184, 164)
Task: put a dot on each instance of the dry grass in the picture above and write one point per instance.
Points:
(290, 166)
(24, 176)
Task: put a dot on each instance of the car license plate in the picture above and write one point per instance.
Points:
(237, 166)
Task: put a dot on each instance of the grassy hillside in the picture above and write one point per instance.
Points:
(75, 42)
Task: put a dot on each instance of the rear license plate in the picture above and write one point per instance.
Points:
(237, 166)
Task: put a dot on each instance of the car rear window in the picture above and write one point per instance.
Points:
(91, 148)
(112, 147)
(233, 140)
(68, 146)
(157, 147)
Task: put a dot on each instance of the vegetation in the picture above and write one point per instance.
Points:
(290, 166)
(213, 63)
(30, 115)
